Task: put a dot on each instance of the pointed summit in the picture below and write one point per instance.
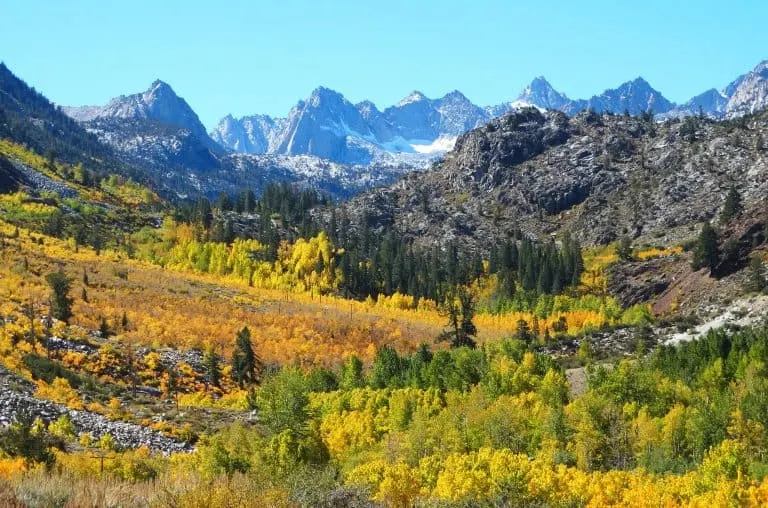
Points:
(159, 83)
(415, 96)
(159, 103)
(541, 94)
(636, 97)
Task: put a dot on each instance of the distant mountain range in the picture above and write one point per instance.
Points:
(350, 146)
(329, 126)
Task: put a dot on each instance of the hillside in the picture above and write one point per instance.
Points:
(599, 176)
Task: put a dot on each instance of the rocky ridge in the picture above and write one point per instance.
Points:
(599, 176)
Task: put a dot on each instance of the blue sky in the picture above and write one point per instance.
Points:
(245, 57)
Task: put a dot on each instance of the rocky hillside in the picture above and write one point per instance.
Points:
(598, 176)
(16, 397)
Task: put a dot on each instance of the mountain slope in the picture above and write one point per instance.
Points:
(159, 103)
(600, 177)
(636, 96)
(28, 118)
(750, 93)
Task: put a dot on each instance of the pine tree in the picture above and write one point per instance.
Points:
(212, 367)
(468, 329)
(246, 365)
(61, 302)
(523, 332)
(172, 385)
(204, 212)
(732, 208)
(706, 252)
(624, 249)
(459, 308)
(104, 328)
(387, 370)
(224, 203)
(250, 201)
(352, 374)
(756, 280)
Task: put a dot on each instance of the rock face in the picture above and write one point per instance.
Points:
(16, 397)
(751, 93)
(599, 176)
(250, 134)
(325, 125)
(638, 281)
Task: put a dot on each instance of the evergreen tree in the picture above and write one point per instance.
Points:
(104, 328)
(523, 332)
(468, 328)
(387, 370)
(756, 280)
(732, 207)
(352, 374)
(249, 203)
(204, 212)
(61, 302)
(246, 365)
(624, 249)
(212, 367)
(706, 251)
(172, 386)
(224, 203)
(459, 308)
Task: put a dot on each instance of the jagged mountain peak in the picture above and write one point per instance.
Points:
(326, 124)
(158, 103)
(160, 85)
(455, 95)
(635, 96)
(325, 93)
(541, 94)
(415, 96)
(640, 81)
